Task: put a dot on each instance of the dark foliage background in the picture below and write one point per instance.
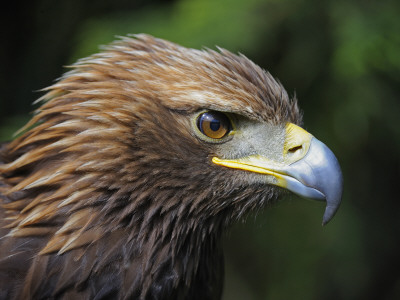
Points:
(341, 58)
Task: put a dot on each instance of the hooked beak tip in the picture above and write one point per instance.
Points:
(329, 213)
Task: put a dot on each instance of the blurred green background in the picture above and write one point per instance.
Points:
(342, 60)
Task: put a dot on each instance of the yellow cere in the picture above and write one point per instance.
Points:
(297, 143)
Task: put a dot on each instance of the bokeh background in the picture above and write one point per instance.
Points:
(342, 60)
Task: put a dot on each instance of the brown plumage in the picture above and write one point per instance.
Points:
(109, 193)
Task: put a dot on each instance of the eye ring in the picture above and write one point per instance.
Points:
(214, 125)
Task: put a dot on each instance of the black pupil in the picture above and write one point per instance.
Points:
(215, 125)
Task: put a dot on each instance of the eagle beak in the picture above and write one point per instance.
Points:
(309, 169)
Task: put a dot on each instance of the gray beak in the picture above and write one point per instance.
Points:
(309, 169)
(317, 176)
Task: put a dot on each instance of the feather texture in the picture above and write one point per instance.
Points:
(108, 194)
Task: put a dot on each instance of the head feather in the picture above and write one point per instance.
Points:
(90, 152)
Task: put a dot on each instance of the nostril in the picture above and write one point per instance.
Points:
(294, 149)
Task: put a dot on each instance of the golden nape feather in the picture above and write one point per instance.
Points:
(113, 189)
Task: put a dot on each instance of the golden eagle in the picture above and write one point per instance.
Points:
(137, 160)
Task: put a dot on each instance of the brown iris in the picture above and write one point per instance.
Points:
(214, 124)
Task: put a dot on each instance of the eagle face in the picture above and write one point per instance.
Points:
(136, 161)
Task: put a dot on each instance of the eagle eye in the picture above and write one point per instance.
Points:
(213, 124)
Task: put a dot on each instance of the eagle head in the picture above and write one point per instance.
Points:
(136, 161)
